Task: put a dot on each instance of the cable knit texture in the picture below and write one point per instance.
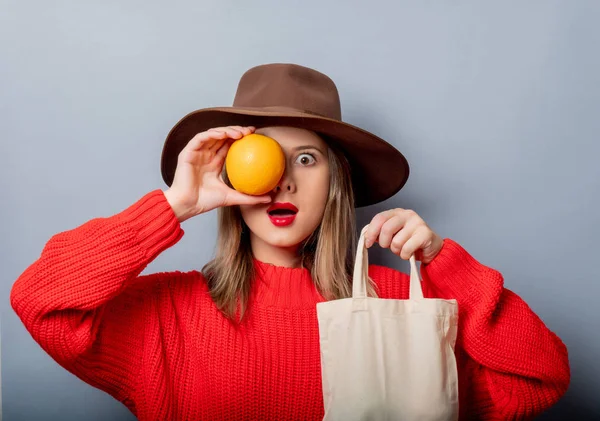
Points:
(158, 344)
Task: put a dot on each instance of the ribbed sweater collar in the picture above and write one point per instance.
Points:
(278, 286)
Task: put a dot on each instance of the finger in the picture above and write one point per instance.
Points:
(401, 237)
(218, 135)
(244, 130)
(216, 147)
(219, 139)
(237, 198)
(214, 144)
(233, 133)
(414, 243)
(390, 228)
(375, 225)
(204, 139)
(221, 153)
(230, 132)
(240, 128)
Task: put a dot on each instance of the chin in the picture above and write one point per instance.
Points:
(283, 237)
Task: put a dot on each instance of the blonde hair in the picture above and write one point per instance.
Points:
(328, 253)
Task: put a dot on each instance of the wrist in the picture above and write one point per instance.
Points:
(180, 209)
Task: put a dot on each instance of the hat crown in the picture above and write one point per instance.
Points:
(290, 86)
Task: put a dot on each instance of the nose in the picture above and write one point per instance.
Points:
(285, 184)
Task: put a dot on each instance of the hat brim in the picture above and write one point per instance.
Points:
(379, 170)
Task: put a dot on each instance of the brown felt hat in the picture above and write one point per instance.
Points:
(297, 96)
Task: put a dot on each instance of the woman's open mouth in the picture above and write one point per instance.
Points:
(282, 214)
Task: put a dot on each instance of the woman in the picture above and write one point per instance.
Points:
(240, 340)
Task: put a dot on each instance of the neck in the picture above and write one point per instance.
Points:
(279, 256)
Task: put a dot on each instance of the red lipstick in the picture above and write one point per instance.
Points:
(282, 214)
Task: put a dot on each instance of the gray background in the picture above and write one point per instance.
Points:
(495, 105)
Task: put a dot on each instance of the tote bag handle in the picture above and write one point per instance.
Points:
(361, 272)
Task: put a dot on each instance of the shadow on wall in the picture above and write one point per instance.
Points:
(571, 408)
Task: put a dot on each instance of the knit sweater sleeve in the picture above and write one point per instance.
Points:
(522, 365)
(83, 300)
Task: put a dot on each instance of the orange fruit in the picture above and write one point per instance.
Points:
(255, 164)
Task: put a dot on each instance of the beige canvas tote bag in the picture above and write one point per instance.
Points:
(385, 359)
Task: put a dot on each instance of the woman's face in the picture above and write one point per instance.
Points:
(304, 186)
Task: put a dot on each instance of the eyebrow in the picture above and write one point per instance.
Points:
(298, 148)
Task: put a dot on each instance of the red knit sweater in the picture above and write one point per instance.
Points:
(158, 344)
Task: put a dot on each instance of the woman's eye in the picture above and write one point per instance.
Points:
(305, 159)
